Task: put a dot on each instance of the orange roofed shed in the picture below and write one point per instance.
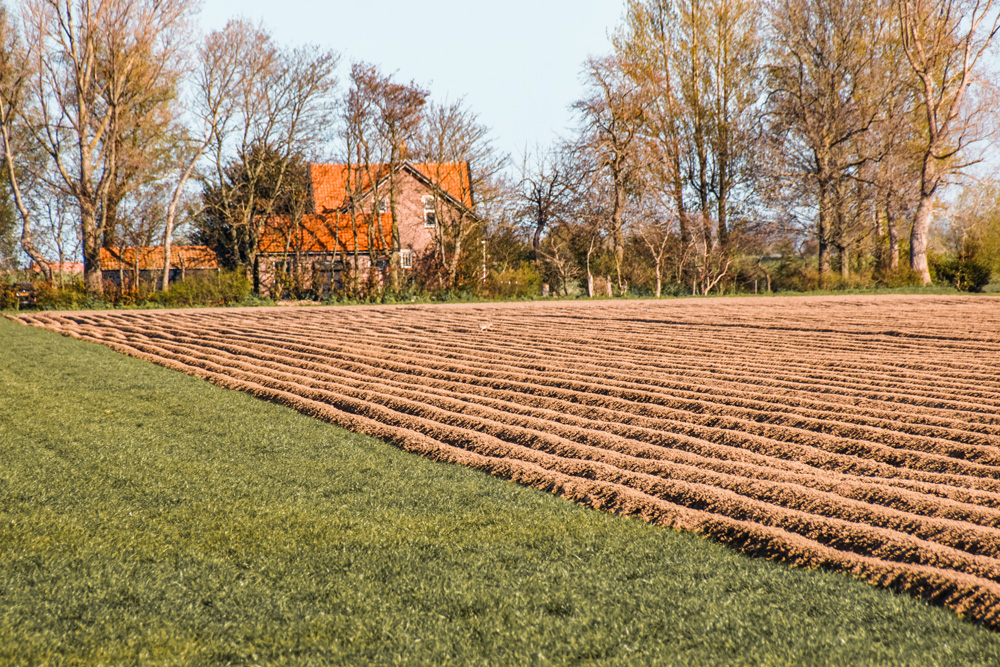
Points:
(145, 263)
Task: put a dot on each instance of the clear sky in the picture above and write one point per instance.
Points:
(516, 62)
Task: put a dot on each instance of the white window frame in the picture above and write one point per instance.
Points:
(406, 258)
(430, 214)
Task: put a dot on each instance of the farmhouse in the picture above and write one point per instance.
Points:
(130, 266)
(349, 224)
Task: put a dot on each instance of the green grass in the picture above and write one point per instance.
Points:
(147, 517)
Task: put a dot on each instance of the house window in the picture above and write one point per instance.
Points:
(430, 217)
(406, 259)
(383, 206)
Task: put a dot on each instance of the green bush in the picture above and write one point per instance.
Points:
(901, 276)
(518, 283)
(70, 296)
(8, 297)
(221, 289)
(967, 274)
(675, 289)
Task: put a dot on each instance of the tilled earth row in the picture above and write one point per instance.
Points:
(860, 434)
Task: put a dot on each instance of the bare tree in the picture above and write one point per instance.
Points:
(15, 76)
(556, 252)
(400, 112)
(362, 155)
(216, 79)
(379, 117)
(545, 183)
(645, 48)
(945, 42)
(283, 98)
(613, 119)
(60, 233)
(697, 65)
(735, 52)
(464, 167)
(657, 237)
(827, 89)
(893, 172)
(97, 71)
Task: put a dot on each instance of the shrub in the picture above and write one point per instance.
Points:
(8, 297)
(967, 274)
(123, 295)
(518, 283)
(221, 289)
(71, 296)
(901, 276)
(854, 281)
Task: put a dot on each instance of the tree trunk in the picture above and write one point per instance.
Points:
(393, 207)
(893, 229)
(456, 254)
(27, 243)
(723, 196)
(701, 151)
(929, 180)
(536, 241)
(590, 276)
(395, 256)
(617, 237)
(682, 221)
(91, 252)
(175, 199)
(843, 244)
(822, 231)
(918, 238)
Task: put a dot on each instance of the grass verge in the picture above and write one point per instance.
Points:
(147, 517)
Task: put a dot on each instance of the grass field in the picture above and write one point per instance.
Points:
(147, 517)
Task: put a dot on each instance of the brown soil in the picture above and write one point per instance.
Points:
(860, 434)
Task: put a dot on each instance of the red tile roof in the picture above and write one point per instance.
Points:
(330, 181)
(333, 232)
(151, 257)
(60, 267)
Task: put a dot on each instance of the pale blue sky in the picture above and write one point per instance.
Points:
(516, 62)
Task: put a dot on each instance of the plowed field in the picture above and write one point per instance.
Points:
(860, 434)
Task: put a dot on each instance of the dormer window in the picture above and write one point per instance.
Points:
(430, 215)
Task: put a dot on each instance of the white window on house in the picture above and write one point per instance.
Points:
(383, 206)
(406, 259)
(430, 215)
